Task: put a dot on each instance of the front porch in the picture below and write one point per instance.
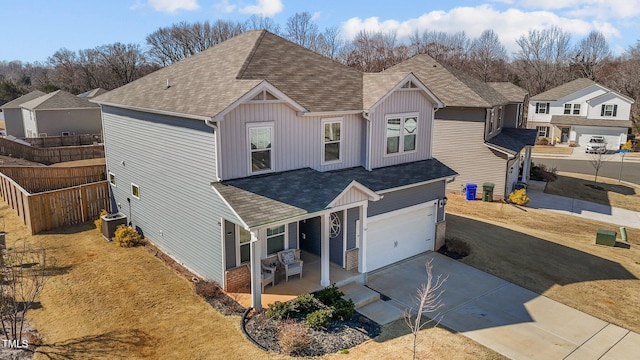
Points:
(310, 282)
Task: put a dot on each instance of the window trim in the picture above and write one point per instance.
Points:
(614, 110)
(567, 109)
(285, 243)
(546, 105)
(115, 181)
(132, 194)
(546, 131)
(323, 144)
(239, 245)
(258, 125)
(576, 107)
(402, 117)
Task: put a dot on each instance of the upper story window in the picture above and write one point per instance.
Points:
(260, 151)
(576, 109)
(331, 129)
(542, 108)
(401, 133)
(609, 110)
(567, 109)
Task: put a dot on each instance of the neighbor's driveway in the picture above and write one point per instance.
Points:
(509, 319)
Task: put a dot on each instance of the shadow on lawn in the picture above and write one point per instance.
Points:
(113, 344)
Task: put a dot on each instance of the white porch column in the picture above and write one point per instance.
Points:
(362, 261)
(526, 168)
(256, 273)
(324, 250)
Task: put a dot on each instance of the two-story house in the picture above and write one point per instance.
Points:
(258, 145)
(481, 131)
(574, 112)
(13, 121)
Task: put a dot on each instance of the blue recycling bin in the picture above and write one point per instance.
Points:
(471, 191)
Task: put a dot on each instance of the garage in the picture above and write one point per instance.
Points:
(400, 234)
(613, 136)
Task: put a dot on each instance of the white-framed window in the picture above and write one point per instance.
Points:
(275, 239)
(542, 108)
(260, 138)
(42, 135)
(243, 249)
(543, 131)
(401, 133)
(66, 133)
(332, 140)
(135, 191)
(576, 109)
(567, 109)
(609, 110)
(112, 178)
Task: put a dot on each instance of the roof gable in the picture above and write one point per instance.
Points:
(15, 103)
(565, 90)
(354, 192)
(58, 100)
(378, 86)
(510, 91)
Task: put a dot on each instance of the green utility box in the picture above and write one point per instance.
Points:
(487, 191)
(606, 237)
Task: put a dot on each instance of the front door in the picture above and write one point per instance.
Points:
(564, 136)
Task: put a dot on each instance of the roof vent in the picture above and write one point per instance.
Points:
(168, 85)
(434, 65)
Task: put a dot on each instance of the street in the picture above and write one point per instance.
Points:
(610, 169)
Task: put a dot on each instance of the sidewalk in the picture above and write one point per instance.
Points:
(580, 154)
(581, 208)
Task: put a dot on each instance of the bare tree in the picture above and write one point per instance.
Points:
(624, 76)
(65, 72)
(590, 54)
(429, 301)
(329, 43)
(452, 49)
(374, 51)
(301, 29)
(256, 22)
(488, 57)
(597, 160)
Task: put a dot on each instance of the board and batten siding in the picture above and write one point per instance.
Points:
(460, 146)
(403, 198)
(297, 140)
(401, 102)
(173, 161)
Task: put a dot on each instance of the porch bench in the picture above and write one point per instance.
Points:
(291, 262)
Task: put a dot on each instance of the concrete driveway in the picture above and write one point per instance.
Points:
(509, 319)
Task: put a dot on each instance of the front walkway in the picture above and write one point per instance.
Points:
(509, 319)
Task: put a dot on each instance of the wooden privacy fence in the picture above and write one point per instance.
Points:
(53, 209)
(50, 155)
(67, 140)
(36, 179)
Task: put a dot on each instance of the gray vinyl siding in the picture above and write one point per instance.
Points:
(353, 214)
(230, 244)
(460, 146)
(173, 161)
(510, 116)
(403, 198)
(401, 102)
(13, 123)
(74, 121)
(336, 244)
(297, 141)
(311, 228)
(462, 114)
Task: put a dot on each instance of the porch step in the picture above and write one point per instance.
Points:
(382, 312)
(359, 294)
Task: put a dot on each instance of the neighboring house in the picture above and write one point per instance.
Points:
(93, 93)
(258, 145)
(60, 113)
(13, 122)
(480, 132)
(574, 112)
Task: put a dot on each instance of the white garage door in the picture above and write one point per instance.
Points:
(611, 135)
(400, 234)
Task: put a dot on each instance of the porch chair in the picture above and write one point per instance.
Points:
(268, 276)
(291, 263)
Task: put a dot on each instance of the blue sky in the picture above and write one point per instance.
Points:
(35, 29)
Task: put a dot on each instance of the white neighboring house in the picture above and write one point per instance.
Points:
(578, 110)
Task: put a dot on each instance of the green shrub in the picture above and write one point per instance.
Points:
(98, 221)
(330, 295)
(343, 309)
(279, 310)
(519, 197)
(305, 303)
(319, 319)
(294, 338)
(126, 236)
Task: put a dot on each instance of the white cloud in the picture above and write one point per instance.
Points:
(315, 16)
(600, 9)
(509, 24)
(264, 8)
(172, 6)
(224, 7)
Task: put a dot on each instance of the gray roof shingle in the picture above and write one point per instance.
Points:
(58, 100)
(564, 90)
(513, 140)
(15, 103)
(511, 91)
(264, 199)
(583, 121)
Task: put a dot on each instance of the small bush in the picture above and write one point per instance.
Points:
(207, 289)
(294, 338)
(330, 295)
(519, 197)
(305, 303)
(279, 310)
(542, 141)
(98, 221)
(343, 309)
(319, 319)
(126, 236)
(458, 246)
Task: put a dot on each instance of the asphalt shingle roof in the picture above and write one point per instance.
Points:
(15, 103)
(264, 199)
(513, 140)
(564, 90)
(583, 121)
(58, 100)
(511, 91)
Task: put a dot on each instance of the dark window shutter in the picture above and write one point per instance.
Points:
(615, 110)
(601, 110)
(547, 108)
(537, 107)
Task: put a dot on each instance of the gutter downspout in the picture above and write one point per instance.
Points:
(214, 125)
(366, 116)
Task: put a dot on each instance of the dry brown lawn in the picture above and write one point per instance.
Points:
(554, 255)
(107, 302)
(622, 195)
(99, 161)
(547, 149)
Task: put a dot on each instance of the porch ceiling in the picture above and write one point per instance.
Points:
(265, 199)
(583, 121)
(512, 141)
